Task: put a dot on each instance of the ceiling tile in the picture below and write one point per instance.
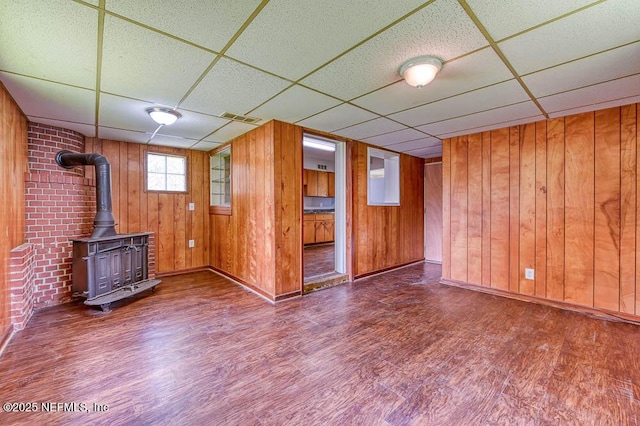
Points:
(54, 101)
(87, 130)
(172, 141)
(45, 43)
(233, 87)
(395, 137)
(125, 113)
(142, 64)
(591, 95)
(228, 132)
(609, 65)
(442, 29)
(123, 135)
(470, 72)
(420, 143)
(501, 125)
(492, 118)
(210, 24)
(600, 105)
(337, 118)
(193, 125)
(426, 152)
(593, 30)
(509, 92)
(205, 146)
(370, 128)
(503, 18)
(316, 32)
(294, 104)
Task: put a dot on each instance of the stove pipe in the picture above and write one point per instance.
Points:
(104, 221)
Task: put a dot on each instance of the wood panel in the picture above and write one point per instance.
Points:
(541, 209)
(500, 208)
(446, 208)
(569, 188)
(527, 219)
(13, 165)
(165, 214)
(628, 195)
(555, 209)
(579, 208)
(514, 207)
(433, 212)
(606, 292)
(262, 238)
(486, 208)
(288, 207)
(387, 236)
(459, 214)
(474, 209)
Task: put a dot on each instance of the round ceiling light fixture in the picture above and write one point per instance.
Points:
(420, 71)
(162, 115)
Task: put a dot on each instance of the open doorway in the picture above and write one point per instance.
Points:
(324, 212)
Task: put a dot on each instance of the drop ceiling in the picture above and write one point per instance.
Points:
(331, 65)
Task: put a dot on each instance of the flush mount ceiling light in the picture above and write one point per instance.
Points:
(420, 71)
(164, 116)
(318, 144)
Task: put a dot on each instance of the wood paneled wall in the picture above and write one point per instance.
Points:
(384, 237)
(559, 196)
(260, 243)
(165, 214)
(13, 165)
(433, 211)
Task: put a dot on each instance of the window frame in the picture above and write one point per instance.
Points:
(222, 209)
(383, 154)
(165, 191)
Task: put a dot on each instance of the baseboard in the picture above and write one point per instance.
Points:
(6, 338)
(384, 270)
(263, 294)
(181, 272)
(595, 312)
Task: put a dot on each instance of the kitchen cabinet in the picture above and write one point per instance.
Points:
(309, 229)
(317, 183)
(318, 228)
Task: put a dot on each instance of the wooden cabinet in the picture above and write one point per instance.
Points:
(318, 228)
(317, 183)
(309, 229)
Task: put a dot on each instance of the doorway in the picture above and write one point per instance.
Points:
(324, 217)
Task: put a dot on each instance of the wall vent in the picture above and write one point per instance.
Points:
(241, 118)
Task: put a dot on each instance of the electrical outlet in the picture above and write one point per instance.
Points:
(529, 274)
(192, 206)
(192, 243)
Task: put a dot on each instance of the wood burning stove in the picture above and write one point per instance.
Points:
(106, 266)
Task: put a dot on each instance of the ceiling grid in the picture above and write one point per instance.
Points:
(94, 66)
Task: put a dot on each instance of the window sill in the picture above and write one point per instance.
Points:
(220, 210)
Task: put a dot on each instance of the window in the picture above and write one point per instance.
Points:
(383, 170)
(166, 173)
(221, 181)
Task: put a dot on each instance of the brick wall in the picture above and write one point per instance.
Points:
(21, 283)
(60, 205)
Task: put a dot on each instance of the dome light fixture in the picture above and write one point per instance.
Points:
(163, 116)
(420, 71)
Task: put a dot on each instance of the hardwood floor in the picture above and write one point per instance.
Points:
(397, 349)
(319, 260)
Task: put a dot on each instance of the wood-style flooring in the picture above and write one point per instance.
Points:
(319, 260)
(398, 349)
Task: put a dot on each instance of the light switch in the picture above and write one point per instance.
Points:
(192, 206)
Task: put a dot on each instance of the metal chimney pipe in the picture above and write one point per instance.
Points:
(104, 221)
